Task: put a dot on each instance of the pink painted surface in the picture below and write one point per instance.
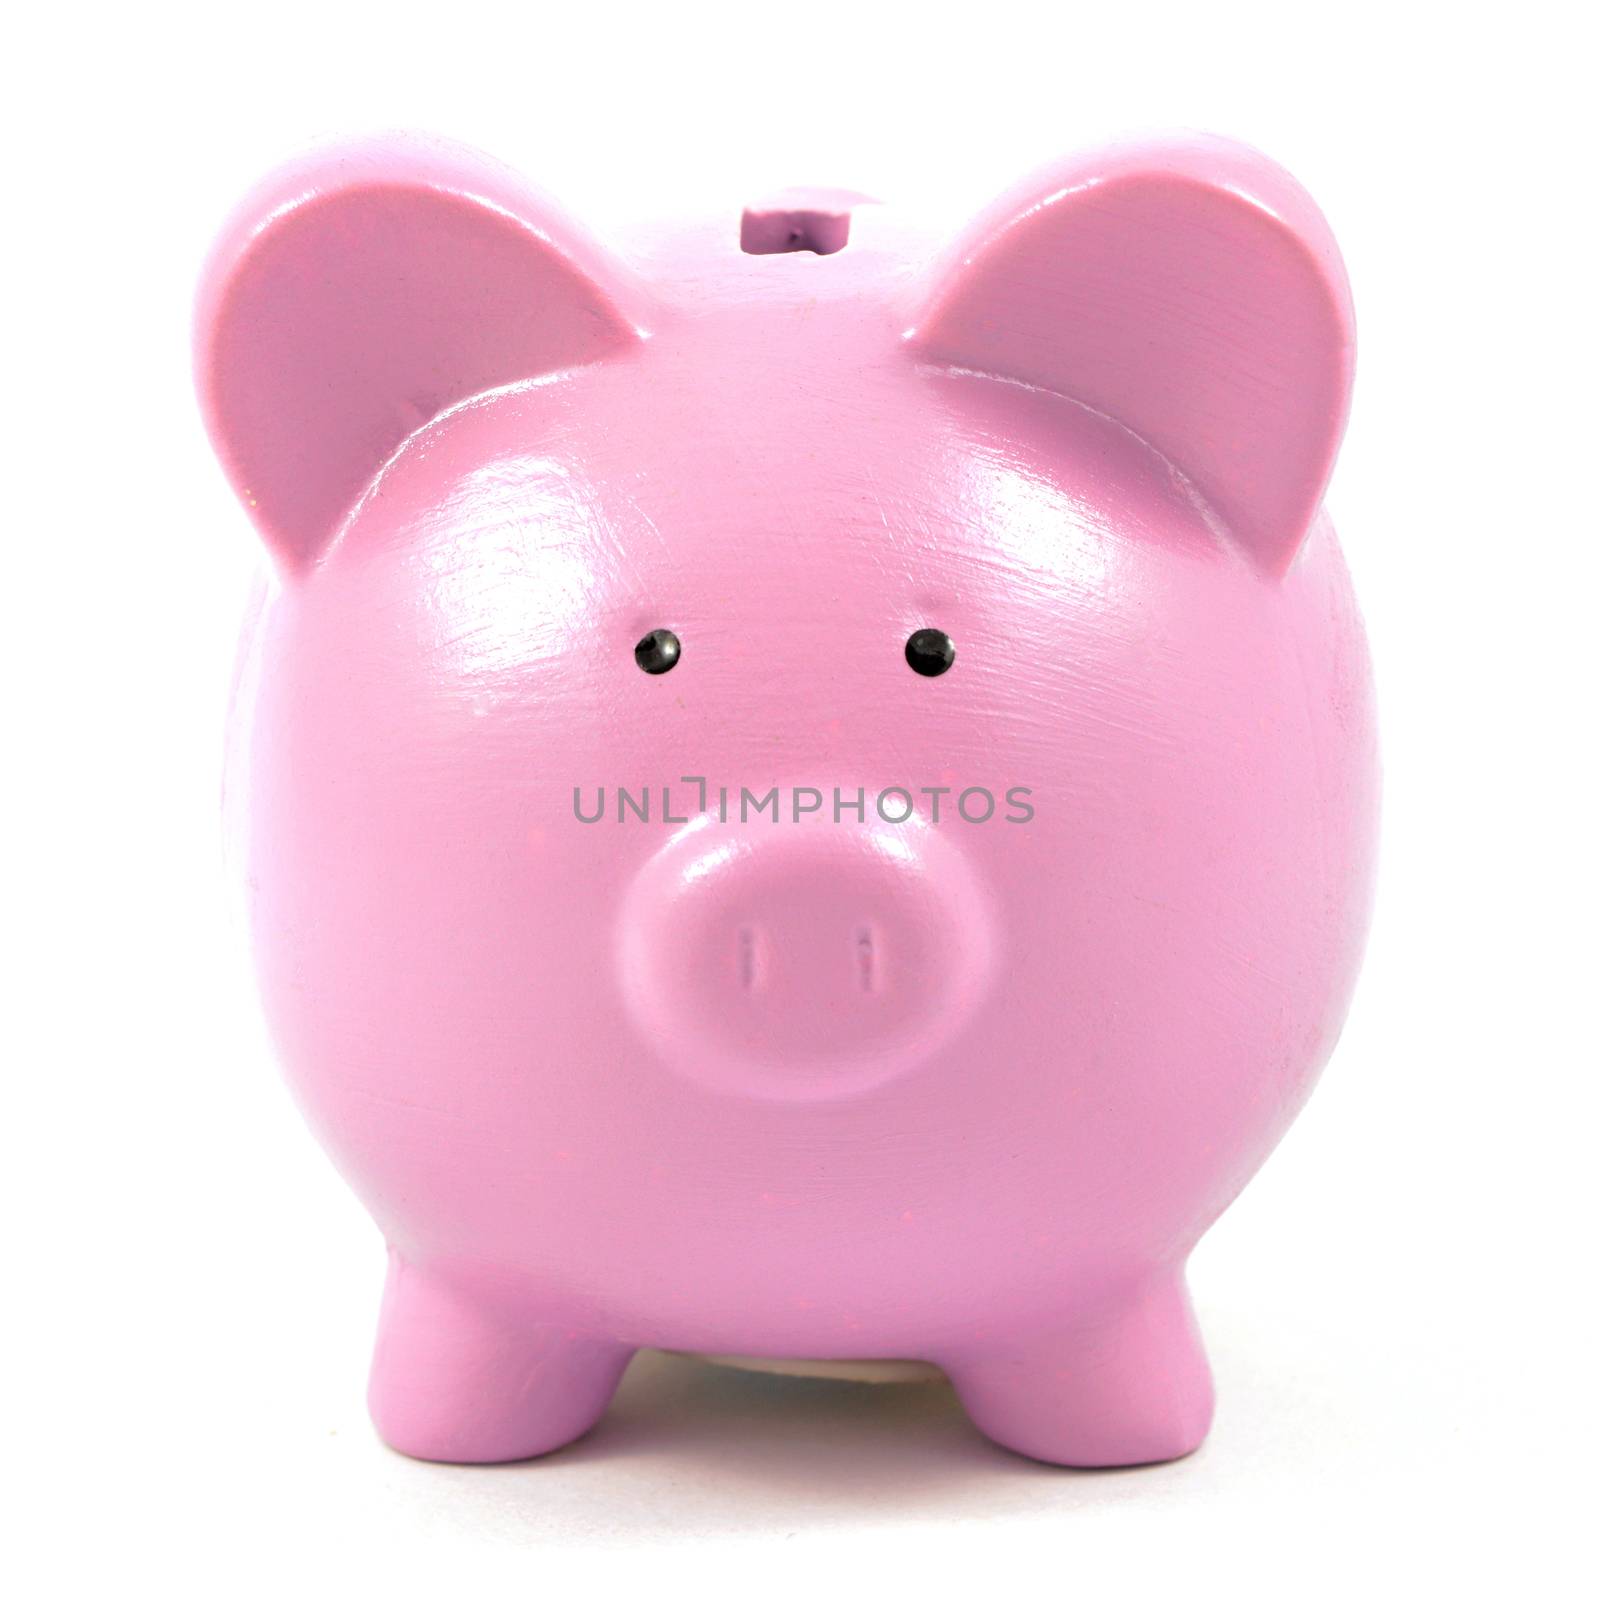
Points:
(959, 1091)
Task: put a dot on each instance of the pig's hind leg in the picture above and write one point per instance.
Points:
(457, 1376)
(1123, 1384)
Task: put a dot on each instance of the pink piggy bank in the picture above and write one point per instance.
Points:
(804, 796)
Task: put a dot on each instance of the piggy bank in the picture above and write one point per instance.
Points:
(806, 793)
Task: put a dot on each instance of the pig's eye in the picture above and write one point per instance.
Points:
(658, 651)
(930, 652)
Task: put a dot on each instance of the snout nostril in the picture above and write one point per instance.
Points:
(747, 962)
(866, 960)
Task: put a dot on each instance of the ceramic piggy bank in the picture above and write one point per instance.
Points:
(806, 794)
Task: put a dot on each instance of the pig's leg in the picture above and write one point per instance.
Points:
(457, 1379)
(1123, 1384)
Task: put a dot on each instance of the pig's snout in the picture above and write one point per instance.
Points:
(803, 959)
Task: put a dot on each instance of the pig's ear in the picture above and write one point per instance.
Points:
(361, 291)
(1186, 288)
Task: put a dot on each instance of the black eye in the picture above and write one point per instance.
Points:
(930, 652)
(658, 651)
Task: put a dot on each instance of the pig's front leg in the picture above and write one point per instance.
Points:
(1123, 1383)
(456, 1377)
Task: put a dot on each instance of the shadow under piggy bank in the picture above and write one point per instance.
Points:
(690, 1449)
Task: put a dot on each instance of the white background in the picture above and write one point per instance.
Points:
(1400, 1308)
